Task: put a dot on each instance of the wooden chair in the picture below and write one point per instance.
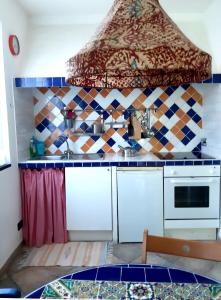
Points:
(194, 249)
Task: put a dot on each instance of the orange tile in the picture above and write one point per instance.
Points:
(158, 147)
(141, 98)
(82, 93)
(191, 90)
(47, 152)
(180, 135)
(58, 152)
(180, 113)
(174, 130)
(180, 124)
(105, 137)
(45, 111)
(73, 138)
(85, 148)
(72, 105)
(158, 125)
(163, 97)
(65, 89)
(93, 93)
(90, 142)
(200, 124)
(185, 96)
(158, 114)
(50, 106)
(185, 119)
(136, 104)
(169, 146)
(163, 108)
(50, 116)
(126, 92)
(43, 90)
(121, 131)
(111, 151)
(198, 98)
(88, 98)
(54, 89)
(110, 132)
(105, 92)
(153, 141)
(106, 148)
(39, 118)
(115, 115)
(84, 115)
(48, 142)
(60, 93)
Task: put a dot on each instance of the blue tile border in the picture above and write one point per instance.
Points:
(32, 82)
(34, 165)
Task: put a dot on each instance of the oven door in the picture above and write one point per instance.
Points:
(191, 198)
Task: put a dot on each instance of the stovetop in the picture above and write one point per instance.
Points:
(183, 155)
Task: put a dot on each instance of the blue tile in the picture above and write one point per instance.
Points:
(216, 78)
(196, 118)
(190, 135)
(31, 166)
(95, 137)
(160, 163)
(188, 163)
(95, 164)
(40, 165)
(105, 164)
(174, 108)
(18, 82)
(163, 130)
(82, 104)
(77, 164)
(133, 274)
(169, 91)
(170, 163)
(216, 162)
(68, 164)
(191, 102)
(158, 135)
(179, 163)
(207, 162)
(77, 99)
(169, 114)
(202, 279)
(185, 86)
(158, 103)
(164, 141)
(198, 163)
(210, 80)
(94, 104)
(40, 127)
(157, 275)
(36, 294)
(114, 164)
(57, 102)
(185, 141)
(56, 81)
(111, 142)
(109, 273)
(85, 275)
(191, 113)
(141, 164)
(185, 129)
(30, 82)
(140, 266)
(148, 91)
(84, 126)
(22, 166)
(151, 164)
(49, 165)
(51, 127)
(69, 276)
(132, 164)
(87, 164)
(59, 165)
(181, 276)
(123, 164)
(115, 103)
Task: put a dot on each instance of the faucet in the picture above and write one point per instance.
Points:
(67, 152)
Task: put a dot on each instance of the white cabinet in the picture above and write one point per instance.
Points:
(140, 202)
(88, 198)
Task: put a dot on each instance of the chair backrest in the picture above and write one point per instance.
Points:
(195, 249)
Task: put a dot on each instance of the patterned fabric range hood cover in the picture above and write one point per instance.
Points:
(138, 45)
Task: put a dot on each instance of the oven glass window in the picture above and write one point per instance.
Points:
(191, 196)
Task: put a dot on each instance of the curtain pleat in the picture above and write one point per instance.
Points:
(43, 206)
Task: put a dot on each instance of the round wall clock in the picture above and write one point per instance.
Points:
(13, 43)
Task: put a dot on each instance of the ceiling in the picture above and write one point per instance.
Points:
(86, 11)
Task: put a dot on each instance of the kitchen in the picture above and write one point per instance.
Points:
(44, 57)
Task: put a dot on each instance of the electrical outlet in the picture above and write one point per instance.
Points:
(20, 225)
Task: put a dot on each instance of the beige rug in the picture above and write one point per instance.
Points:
(69, 254)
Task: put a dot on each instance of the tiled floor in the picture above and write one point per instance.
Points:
(30, 278)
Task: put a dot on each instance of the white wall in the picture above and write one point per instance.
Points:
(13, 21)
(211, 118)
(50, 46)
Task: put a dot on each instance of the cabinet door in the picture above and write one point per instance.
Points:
(88, 198)
(140, 204)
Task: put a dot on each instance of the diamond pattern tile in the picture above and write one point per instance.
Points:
(176, 122)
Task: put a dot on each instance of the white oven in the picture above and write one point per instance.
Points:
(191, 192)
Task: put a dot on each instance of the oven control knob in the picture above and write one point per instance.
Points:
(172, 172)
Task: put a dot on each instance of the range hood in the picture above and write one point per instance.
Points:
(138, 45)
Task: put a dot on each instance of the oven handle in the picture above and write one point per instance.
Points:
(192, 180)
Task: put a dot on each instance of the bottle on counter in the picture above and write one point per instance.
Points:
(32, 148)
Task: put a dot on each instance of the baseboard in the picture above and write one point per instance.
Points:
(4, 268)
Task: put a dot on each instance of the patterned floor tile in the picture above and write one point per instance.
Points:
(112, 290)
(85, 289)
(60, 289)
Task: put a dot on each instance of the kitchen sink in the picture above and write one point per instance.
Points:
(76, 156)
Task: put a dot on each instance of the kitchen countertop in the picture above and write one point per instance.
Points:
(140, 160)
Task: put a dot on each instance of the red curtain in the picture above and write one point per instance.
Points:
(43, 206)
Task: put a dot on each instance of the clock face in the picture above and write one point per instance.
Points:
(14, 45)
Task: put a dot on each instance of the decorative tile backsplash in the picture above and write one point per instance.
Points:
(176, 119)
